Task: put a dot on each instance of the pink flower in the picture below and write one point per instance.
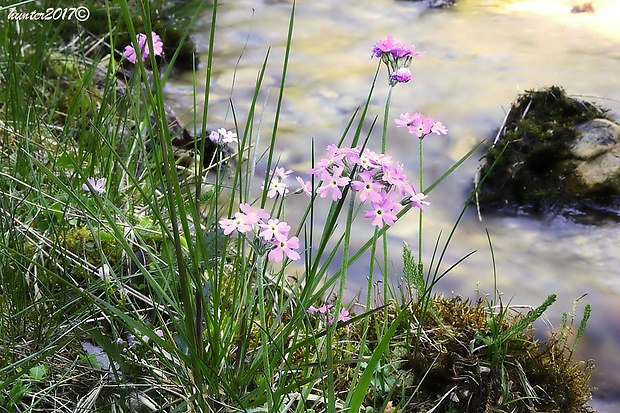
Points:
(281, 173)
(404, 51)
(384, 46)
(143, 45)
(418, 200)
(98, 185)
(394, 175)
(404, 119)
(335, 157)
(401, 75)
(285, 247)
(343, 317)
(276, 187)
(383, 213)
(332, 183)
(322, 310)
(420, 125)
(240, 222)
(306, 186)
(274, 228)
(367, 159)
(439, 129)
(368, 187)
(214, 136)
(253, 216)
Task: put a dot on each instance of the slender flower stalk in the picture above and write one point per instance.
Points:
(386, 117)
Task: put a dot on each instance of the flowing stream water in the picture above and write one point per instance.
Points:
(481, 55)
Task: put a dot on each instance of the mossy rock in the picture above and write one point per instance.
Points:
(553, 154)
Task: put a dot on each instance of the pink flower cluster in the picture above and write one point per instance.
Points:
(272, 232)
(420, 125)
(377, 178)
(397, 57)
(143, 45)
(343, 316)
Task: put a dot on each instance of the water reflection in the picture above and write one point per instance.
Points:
(480, 56)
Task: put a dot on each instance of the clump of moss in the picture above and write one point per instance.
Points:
(439, 361)
(524, 169)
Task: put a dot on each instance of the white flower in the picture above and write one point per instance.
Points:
(228, 136)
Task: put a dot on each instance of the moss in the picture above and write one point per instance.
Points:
(448, 358)
(524, 169)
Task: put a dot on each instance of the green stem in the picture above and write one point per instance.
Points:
(386, 117)
(420, 220)
(371, 268)
(260, 273)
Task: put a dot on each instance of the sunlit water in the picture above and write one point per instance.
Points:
(481, 54)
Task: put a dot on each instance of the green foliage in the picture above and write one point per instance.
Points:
(413, 272)
(500, 333)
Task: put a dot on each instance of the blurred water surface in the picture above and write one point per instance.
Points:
(481, 55)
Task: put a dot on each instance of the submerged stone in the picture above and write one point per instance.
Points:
(435, 4)
(553, 154)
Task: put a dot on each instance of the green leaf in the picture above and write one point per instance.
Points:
(38, 372)
(358, 395)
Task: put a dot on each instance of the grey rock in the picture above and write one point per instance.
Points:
(597, 147)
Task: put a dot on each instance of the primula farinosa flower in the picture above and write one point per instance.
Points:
(286, 247)
(367, 187)
(397, 57)
(332, 183)
(384, 46)
(143, 45)
(396, 49)
(418, 200)
(274, 229)
(420, 125)
(321, 310)
(306, 186)
(404, 120)
(277, 186)
(244, 220)
(228, 136)
(376, 177)
(281, 173)
(401, 75)
(271, 234)
(98, 185)
(223, 136)
(384, 212)
(214, 136)
(238, 223)
(343, 317)
(439, 129)
(253, 216)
